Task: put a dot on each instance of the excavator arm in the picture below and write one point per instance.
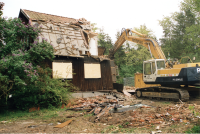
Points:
(142, 39)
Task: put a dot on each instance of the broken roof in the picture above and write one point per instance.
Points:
(47, 17)
(68, 36)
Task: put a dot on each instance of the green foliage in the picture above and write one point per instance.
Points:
(23, 72)
(195, 129)
(144, 30)
(127, 123)
(11, 116)
(46, 92)
(191, 107)
(104, 40)
(120, 126)
(181, 31)
(1, 8)
(94, 28)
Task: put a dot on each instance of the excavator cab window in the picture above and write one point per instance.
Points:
(160, 64)
(147, 68)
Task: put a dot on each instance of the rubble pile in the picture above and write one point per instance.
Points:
(104, 111)
(92, 102)
(99, 105)
(146, 116)
(129, 88)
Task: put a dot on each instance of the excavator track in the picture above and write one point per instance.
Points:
(163, 92)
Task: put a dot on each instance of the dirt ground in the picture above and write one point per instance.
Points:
(161, 116)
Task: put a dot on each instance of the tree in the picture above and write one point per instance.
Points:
(167, 25)
(1, 8)
(144, 30)
(181, 31)
(104, 40)
(94, 28)
(193, 31)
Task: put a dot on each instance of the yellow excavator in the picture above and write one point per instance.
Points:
(173, 77)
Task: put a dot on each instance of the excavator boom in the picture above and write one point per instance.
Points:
(142, 39)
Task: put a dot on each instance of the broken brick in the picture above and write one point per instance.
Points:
(157, 115)
(141, 120)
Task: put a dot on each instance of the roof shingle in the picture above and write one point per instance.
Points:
(47, 17)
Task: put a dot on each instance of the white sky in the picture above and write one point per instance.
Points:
(112, 15)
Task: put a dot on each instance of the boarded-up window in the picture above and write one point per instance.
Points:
(62, 70)
(92, 70)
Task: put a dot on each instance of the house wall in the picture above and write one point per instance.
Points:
(89, 84)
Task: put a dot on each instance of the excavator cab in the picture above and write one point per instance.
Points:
(150, 69)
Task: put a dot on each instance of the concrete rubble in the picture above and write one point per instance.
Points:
(129, 88)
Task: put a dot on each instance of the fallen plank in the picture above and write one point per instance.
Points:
(91, 111)
(63, 124)
(97, 110)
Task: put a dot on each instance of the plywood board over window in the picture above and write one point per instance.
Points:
(92, 70)
(62, 70)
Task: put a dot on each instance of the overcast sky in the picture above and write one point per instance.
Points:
(112, 15)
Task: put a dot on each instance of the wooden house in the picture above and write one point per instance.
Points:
(75, 50)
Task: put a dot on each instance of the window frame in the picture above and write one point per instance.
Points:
(159, 64)
(153, 68)
(145, 68)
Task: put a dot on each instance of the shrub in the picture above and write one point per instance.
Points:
(23, 73)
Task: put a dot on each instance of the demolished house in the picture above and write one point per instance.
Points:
(77, 55)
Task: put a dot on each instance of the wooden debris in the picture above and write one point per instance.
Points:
(63, 124)
(91, 111)
(97, 110)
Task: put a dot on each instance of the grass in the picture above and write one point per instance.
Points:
(88, 115)
(128, 130)
(24, 115)
(195, 129)
(107, 129)
(121, 129)
(166, 102)
(120, 126)
(110, 127)
(174, 126)
(127, 123)
(191, 107)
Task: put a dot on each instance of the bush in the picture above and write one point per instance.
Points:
(23, 73)
(46, 92)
